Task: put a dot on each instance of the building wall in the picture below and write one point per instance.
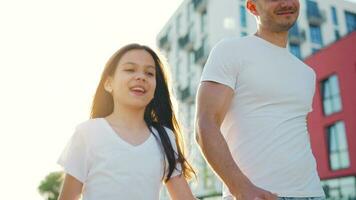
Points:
(339, 59)
(206, 24)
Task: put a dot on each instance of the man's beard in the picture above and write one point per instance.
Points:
(280, 27)
(283, 27)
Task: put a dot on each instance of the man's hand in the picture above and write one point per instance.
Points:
(251, 192)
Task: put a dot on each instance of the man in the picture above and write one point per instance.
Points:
(252, 105)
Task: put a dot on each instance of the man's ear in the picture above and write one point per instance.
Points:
(251, 7)
(107, 85)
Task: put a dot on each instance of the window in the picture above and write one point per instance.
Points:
(191, 58)
(243, 16)
(295, 50)
(178, 23)
(340, 188)
(337, 146)
(315, 35)
(334, 15)
(337, 34)
(204, 21)
(331, 95)
(350, 21)
(178, 71)
(294, 30)
(190, 62)
(314, 50)
(313, 9)
(190, 12)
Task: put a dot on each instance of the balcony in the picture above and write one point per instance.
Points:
(201, 55)
(316, 18)
(296, 36)
(185, 95)
(185, 42)
(200, 5)
(164, 43)
(314, 15)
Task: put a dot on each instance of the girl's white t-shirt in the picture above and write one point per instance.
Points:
(111, 168)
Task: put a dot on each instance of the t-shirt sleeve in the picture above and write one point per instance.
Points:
(178, 169)
(74, 156)
(221, 65)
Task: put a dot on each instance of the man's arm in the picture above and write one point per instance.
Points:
(213, 101)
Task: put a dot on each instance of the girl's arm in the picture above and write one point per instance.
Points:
(71, 189)
(178, 188)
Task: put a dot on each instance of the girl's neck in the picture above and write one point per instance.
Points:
(127, 117)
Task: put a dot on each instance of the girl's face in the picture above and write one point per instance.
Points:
(134, 81)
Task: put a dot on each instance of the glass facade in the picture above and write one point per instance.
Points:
(315, 35)
(204, 22)
(294, 30)
(337, 146)
(312, 9)
(334, 15)
(295, 50)
(340, 188)
(178, 24)
(331, 97)
(337, 34)
(243, 20)
(350, 21)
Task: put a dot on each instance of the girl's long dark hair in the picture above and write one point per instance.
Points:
(159, 113)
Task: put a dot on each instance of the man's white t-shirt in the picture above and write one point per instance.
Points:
(112, 169)
(265, 127)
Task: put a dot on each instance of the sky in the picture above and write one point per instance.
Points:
(51, 56)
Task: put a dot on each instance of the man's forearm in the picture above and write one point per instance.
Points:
(217, 153)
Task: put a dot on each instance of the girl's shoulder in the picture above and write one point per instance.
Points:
(88, 124)
(89, 127)
(93, 132)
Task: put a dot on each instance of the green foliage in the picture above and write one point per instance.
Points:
(51, 185)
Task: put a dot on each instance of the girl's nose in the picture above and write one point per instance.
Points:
(140, 76)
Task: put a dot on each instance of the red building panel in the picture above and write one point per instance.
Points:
(338, 58)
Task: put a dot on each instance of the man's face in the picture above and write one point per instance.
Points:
(276, 15)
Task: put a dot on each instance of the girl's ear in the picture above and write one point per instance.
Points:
(107, 85)
(251, 6)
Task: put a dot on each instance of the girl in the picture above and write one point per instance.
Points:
(132, 142)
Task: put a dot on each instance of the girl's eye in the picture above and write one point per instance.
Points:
(150, 73)
(129, 70)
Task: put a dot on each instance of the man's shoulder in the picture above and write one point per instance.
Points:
(233, 42)
(232, 46)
